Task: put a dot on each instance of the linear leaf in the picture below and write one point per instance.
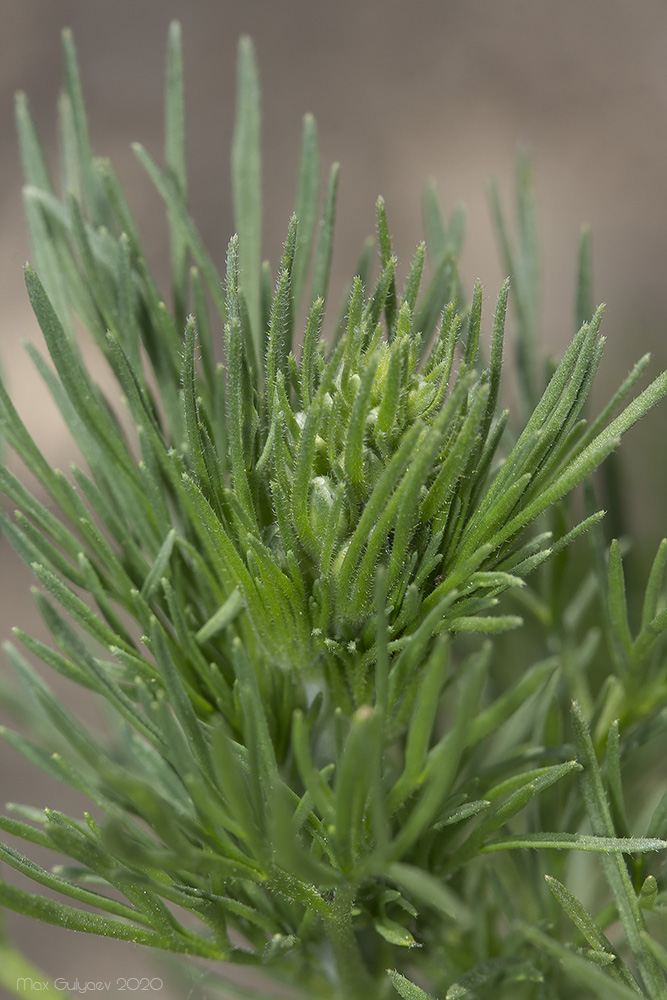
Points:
(247, 185)
(578, 842)
(174, 157)
(307, 194)
(52, 912)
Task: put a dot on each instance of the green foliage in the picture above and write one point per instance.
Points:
(278, 582)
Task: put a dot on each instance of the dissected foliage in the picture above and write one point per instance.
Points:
(279, 582)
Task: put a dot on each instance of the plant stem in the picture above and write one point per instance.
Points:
(355, 981)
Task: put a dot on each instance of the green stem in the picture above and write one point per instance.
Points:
(355, 981)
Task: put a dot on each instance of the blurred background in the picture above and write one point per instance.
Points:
(442, 89)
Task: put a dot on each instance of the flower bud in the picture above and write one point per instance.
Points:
(322, 500)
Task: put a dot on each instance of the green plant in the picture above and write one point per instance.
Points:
(279, 581)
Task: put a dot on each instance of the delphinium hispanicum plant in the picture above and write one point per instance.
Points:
(289, 582)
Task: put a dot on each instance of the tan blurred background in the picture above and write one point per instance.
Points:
(401, 92)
